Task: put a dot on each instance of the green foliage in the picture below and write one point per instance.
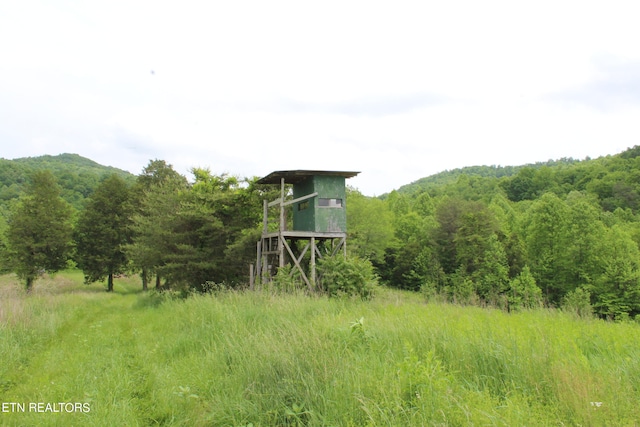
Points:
(77, 176)
(370, 228)
(39, 230)
(578, 302)
(440, 182)
(193, 234)
(617, 289)
(357, 329)
(523, 292)
(463, 290)
(351, 276)
(463, 235)
(256, 358)
(473, 238)
(287, 280)
(157, 196)
(586, 231)
(492, 276)
(103, 231)
(236, 205)
(468, 234)
(425, 274)
(426, 388)
(547, 238)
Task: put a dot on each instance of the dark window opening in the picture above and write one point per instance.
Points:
(330, 203)
(303, 205)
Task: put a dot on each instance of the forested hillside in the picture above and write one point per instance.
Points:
(561, 233)
(76, 175)
(430, 183)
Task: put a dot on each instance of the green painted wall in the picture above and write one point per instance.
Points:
(319, 218)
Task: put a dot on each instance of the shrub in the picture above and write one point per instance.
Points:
(524, 292)
(429, 290)
(578, 301)
(347, 276)
(287, 280)
(463, 290)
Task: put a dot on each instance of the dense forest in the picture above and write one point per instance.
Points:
(560, 233)
(77, 176)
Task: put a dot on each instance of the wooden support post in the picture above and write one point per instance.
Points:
(341, 243)
(258, 262)
(265, 215)
(281, 241)
(312, 265)
(251, 277)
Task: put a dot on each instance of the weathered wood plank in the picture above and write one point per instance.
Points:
(297, 264)
(299, 199)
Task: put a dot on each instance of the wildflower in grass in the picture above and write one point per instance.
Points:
(186, 392)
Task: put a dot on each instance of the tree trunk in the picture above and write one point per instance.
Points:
(145, 279)
(29, 284)
(110, 283)
(158, 286)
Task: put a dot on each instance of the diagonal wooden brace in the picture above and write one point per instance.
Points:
(295, 261)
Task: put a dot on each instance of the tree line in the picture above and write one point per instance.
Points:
(565, 233)
(175, 233)
(562, 235)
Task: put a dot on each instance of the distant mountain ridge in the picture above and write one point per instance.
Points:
(450, 176)
(77, 176)
(64, 161)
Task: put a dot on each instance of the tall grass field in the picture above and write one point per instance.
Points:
(74, 355)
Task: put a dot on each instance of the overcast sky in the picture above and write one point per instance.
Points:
(395, 90)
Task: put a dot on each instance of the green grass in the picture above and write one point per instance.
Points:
(239, 359)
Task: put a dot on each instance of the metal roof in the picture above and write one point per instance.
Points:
(296, 176)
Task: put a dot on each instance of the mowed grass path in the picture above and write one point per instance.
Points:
(240, 359)
(67, 343)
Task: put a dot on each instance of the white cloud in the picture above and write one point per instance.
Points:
(397, 90)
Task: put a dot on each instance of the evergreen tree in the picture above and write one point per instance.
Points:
(158, 199)
(230, 210)
(448, 216)
(103, 231)
(39, 233)
(156, 202)
(194, 244)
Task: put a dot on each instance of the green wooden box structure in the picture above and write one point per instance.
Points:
(318, 209)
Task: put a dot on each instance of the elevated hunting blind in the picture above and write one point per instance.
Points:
(319, 217)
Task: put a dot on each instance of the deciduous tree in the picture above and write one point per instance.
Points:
(547, 239)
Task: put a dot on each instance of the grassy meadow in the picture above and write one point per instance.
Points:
(263, 359)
